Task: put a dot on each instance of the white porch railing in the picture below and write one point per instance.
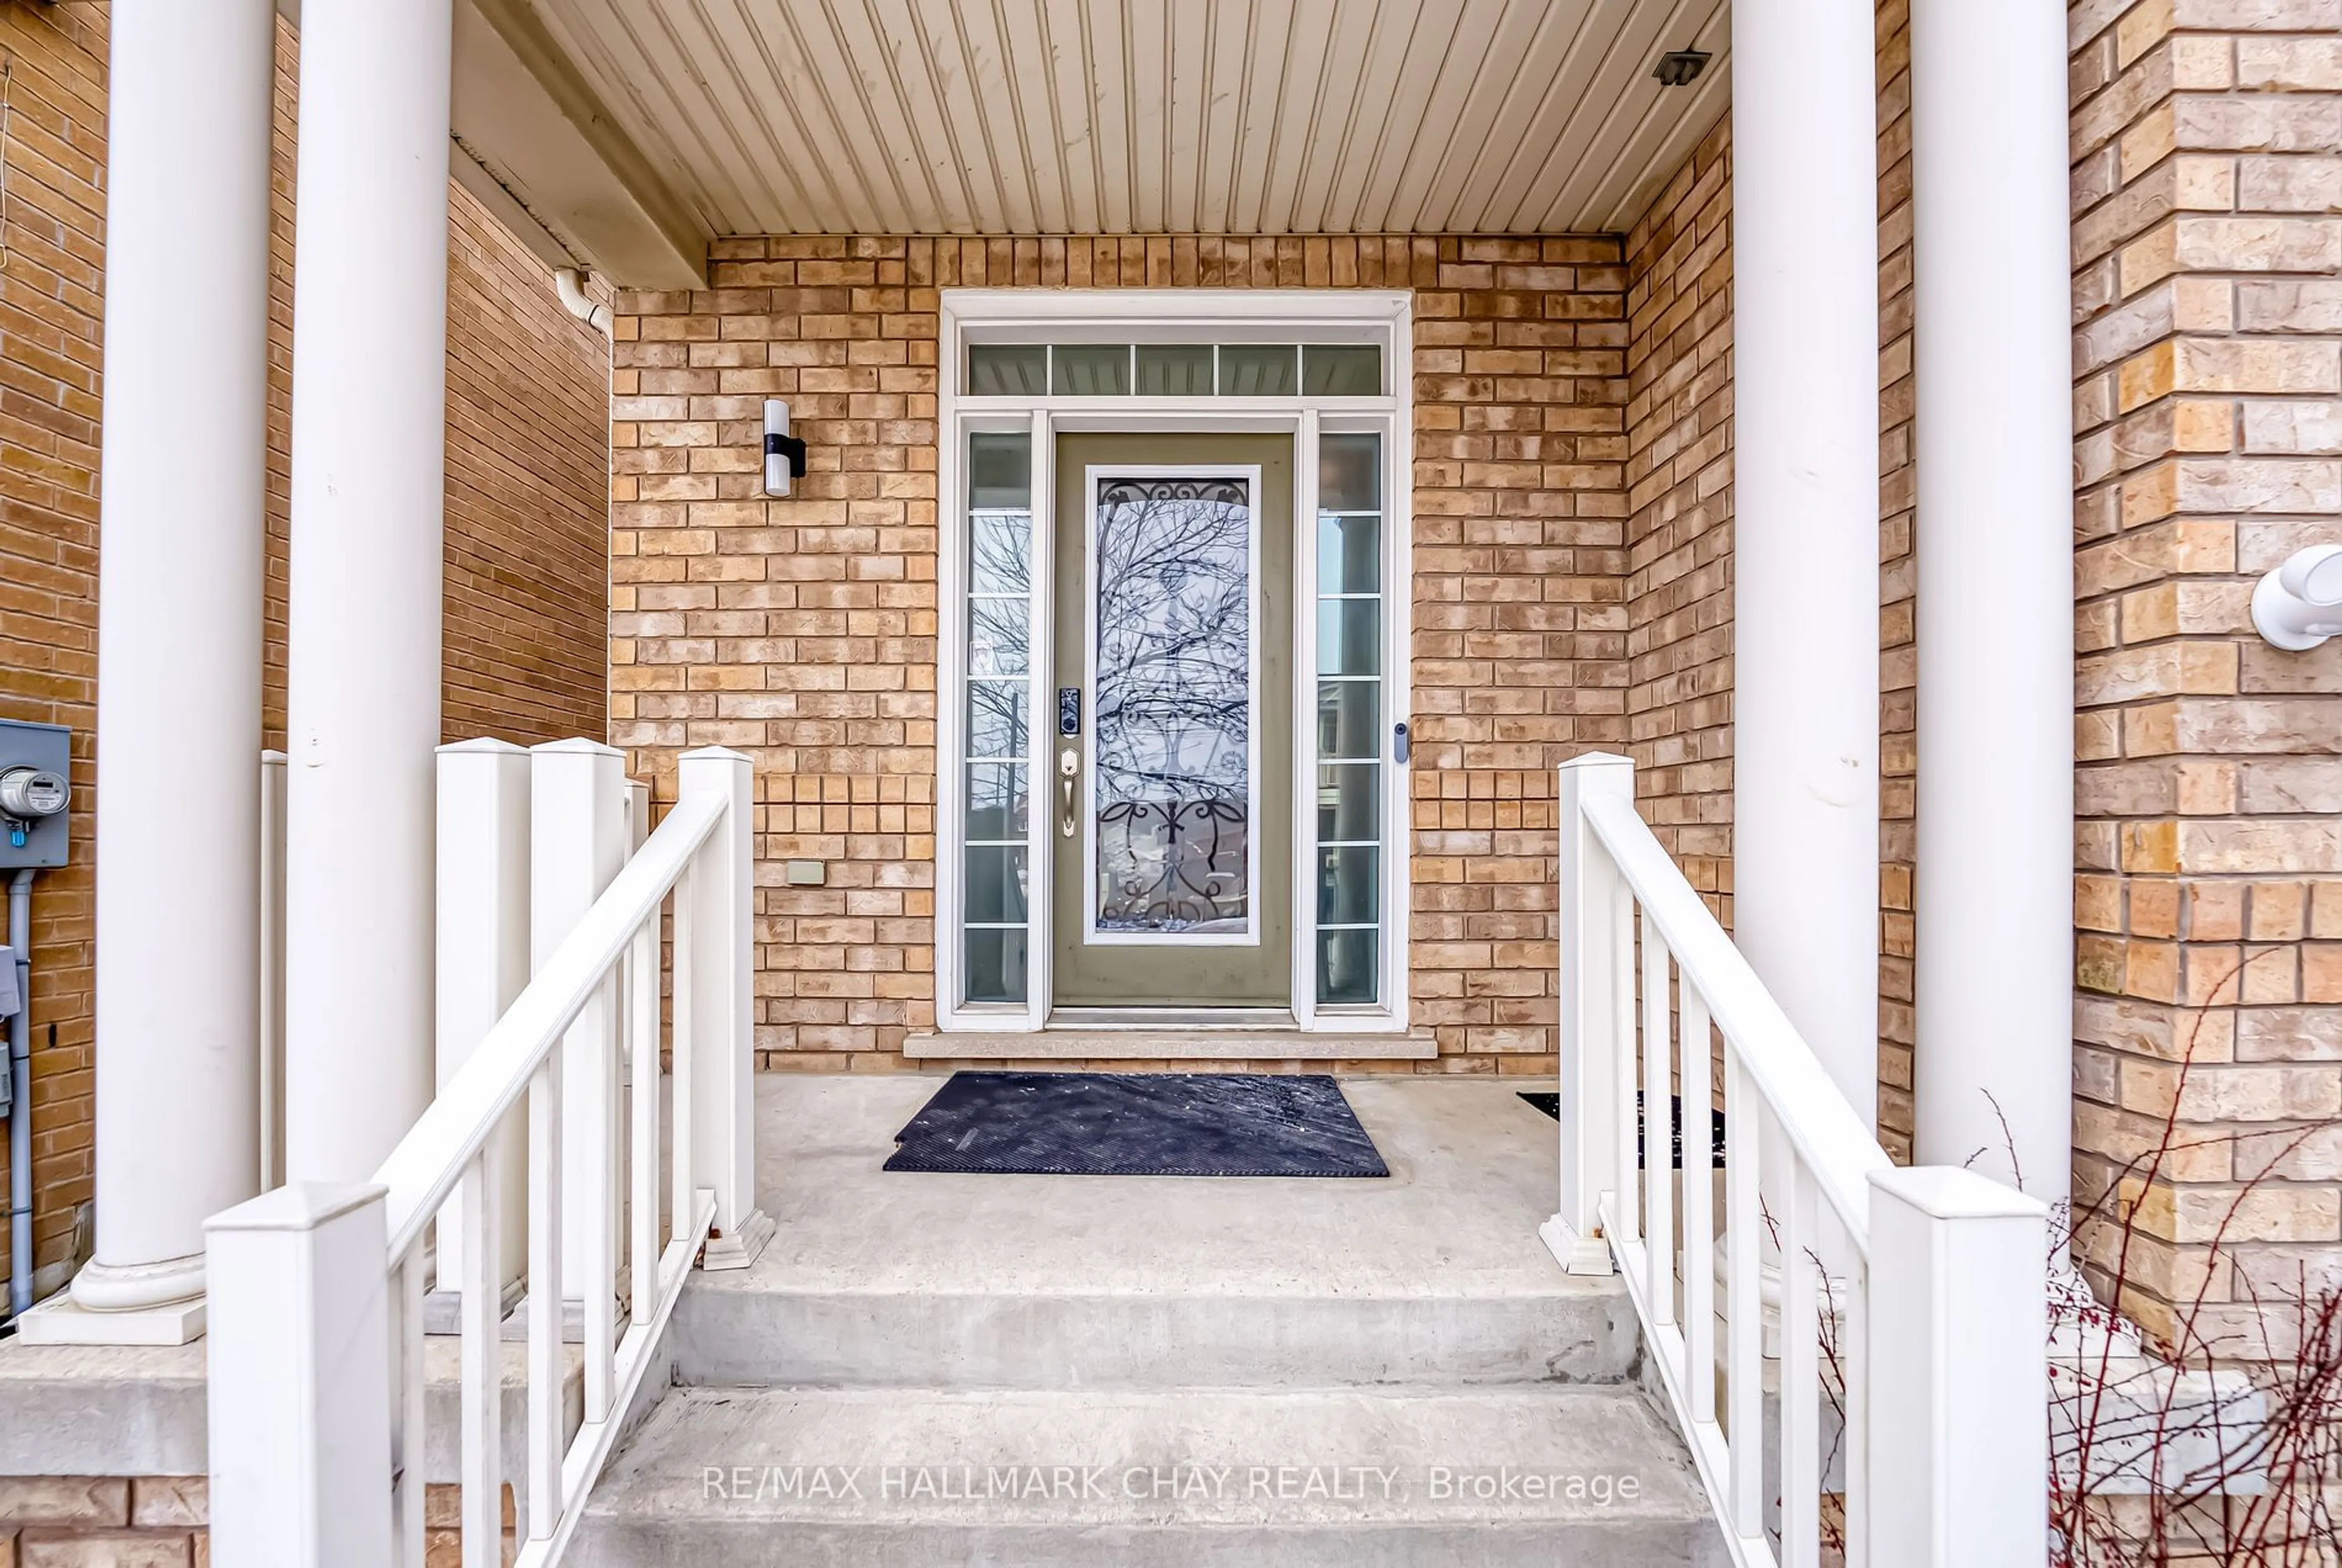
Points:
(1911, 1303)
(316, 1315)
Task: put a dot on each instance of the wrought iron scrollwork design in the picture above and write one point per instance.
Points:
(1198, 879)
(1147, 492)
(1172, 788)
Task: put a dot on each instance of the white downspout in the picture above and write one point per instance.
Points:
(570, 284)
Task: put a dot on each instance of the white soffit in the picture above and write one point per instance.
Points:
(1150, 116)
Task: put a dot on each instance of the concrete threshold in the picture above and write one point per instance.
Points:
(1142, 1044)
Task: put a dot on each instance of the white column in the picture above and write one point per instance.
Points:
(185, 467)
(1996, 625)
(369, 346)
(1805, 821)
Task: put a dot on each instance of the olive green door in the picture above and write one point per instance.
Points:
(1171, 750)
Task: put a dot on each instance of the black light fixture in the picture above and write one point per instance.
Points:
(1681, 68)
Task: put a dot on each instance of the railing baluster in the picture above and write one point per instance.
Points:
(1801, 1327)
(409, 1443)
(544, 1308)
(480, 1356)
(1853, 1354)
(642, 1056)
(1744, 1361)
(1659, 1140)
(1698, 1202)
(600, 1270)
(1625, 1213)
(683, 1076)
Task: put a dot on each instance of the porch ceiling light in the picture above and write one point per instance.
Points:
(2300, 604)
(1681, 68)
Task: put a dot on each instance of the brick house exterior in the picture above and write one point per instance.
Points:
(613, 569)
(1572, 517)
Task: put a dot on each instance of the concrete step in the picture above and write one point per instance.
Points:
(779, 1336)
(1434, 1275)
(1346, 1478)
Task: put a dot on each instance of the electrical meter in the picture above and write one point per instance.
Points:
(28, 794)
(35, 762)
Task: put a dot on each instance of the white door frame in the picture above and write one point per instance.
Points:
(1382, 317)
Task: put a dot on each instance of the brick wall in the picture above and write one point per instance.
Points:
(804, 631)
(1899, 657)
(52, 169)
(2209, 353)
(81, 1520)
(1679, 534)
(1679, 537)
(527, 486)
(162, 1521)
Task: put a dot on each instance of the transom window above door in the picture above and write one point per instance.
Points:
(1174, 370)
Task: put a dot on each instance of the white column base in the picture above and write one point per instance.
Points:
(1577, 1254)
(104, 1287)
(61, 1320)
(737, 1252)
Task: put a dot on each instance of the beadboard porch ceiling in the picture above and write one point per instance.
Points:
(1129, 117)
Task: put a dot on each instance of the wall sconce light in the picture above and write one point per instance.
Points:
(784, 454)
(1681, 68)
(2300, 604)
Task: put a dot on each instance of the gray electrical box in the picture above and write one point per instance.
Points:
(35, 768)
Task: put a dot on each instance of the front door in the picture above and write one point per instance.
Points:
(1172, 735)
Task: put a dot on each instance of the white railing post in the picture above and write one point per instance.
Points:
(714, 959)
(483, 871)
(271, 969)
(1590, 1011)
(1958, 1329)
(300, 1377)
(578, 828)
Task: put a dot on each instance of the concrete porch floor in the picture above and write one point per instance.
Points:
(1474, 1173)
(996, 1280)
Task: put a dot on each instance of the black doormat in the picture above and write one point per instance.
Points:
(1550, 1105)
(1137, 1125)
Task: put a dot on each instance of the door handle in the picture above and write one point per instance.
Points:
(1069, 767)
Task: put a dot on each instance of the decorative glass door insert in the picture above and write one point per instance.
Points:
(1173, 798)
(1169, 751)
